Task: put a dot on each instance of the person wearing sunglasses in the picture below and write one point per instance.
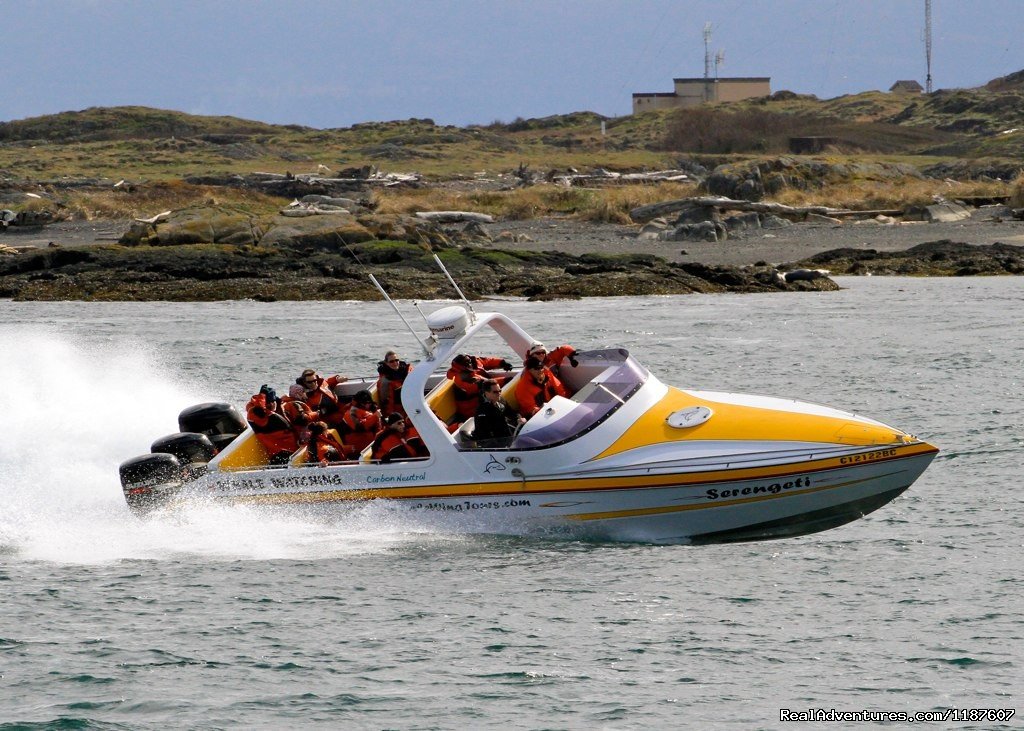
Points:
(537, 386)
(554, 358)
(495, 422)
(320, 396)
(391, 374)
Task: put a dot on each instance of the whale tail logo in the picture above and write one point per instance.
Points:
(494, 466)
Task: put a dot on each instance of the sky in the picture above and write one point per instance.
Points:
(335, 63)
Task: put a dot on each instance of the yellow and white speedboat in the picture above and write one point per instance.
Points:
(626, 458)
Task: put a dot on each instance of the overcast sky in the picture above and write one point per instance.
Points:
(333, 64)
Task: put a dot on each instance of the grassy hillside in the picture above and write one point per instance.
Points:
(968, 132)
(154, 144)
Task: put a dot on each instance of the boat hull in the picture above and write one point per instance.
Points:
(697, 507)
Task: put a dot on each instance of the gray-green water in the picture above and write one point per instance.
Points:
(230, 618)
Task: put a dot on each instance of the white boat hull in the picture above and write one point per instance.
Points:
(710, 506)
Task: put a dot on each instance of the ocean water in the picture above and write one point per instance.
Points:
(223, 618)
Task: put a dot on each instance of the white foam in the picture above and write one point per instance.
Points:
(70, 412)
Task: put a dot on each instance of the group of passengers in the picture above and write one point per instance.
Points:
(335, 428)
(495, 421)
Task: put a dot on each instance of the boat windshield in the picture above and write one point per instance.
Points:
(609, 378)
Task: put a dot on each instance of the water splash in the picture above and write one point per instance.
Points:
(75, 410)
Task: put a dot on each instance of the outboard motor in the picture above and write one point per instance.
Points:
(212, 419)
(150, 481)
(188, 447)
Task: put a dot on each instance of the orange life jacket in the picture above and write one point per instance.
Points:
(363, 425)
(321, 398)
(389, 386)
(556, 356)
(467, 383)
(318, 447)
(299, 415)
(272, 429)
(531, 395)
(389, 445)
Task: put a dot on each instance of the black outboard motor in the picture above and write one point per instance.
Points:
(188, 447)
(150, 481)
(220, 422)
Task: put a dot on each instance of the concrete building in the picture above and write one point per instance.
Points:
(691, 92)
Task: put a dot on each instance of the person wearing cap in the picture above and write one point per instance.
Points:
(324, 447)
(495, 422)
(468, 372)
(398, 440)
(272, 429)
(391, 373)
(553, 359)
(537, 386)
(362, 421)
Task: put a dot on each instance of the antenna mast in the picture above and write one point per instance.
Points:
(928, 44)
(707, 61)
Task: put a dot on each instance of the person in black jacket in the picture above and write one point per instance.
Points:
(496, 422)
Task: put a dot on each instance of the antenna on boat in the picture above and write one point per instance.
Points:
(427, 350)
(461, 296)
(416, 304)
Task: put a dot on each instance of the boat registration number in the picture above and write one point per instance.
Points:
(868, 456)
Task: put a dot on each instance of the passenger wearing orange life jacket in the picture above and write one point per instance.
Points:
(298, 413)
(323, 447)
(397, 441)
(362, 420)
(272, 430)
(553, 359)
(320, 395)
(536, 387)
(468, 372)
(391, 373)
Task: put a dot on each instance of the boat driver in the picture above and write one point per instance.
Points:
(495, 422)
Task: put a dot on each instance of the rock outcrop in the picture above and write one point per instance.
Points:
(936, 258)
(221, 271)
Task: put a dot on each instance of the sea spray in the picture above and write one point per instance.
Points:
(75, 409)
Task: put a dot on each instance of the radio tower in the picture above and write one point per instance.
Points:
(928, 44)
(707, 62)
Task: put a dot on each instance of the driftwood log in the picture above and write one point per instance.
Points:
(454, 216)
(641, 214)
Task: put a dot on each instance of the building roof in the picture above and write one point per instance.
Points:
(725, 79)
(906, 85)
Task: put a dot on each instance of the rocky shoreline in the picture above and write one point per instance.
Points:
(222, 272)
(545, 258)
